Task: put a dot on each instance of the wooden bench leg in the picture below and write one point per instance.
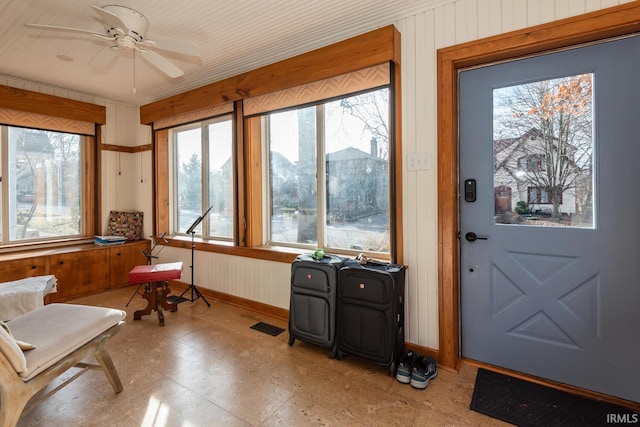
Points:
(104, 359)
(11, 406)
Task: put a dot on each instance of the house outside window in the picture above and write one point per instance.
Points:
(42, 185)
(532, 163)
(203, 178)
(540, 197)
(328, 175)
(544, 152)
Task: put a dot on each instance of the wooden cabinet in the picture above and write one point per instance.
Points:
(80, 269)
(80, 273)
(15, 269)
(122, 259)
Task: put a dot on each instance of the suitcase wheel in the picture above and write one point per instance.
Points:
(291, 340)
(333, 354)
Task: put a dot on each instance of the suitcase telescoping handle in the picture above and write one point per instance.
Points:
(364, 260)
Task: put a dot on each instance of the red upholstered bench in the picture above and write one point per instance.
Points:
(156, 277)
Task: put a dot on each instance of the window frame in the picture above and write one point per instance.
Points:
(532, 163)
(36, 110)
(321, 178)
(5, 208)
(203, 125)
(540, 195)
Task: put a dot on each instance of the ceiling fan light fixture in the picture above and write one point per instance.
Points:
(126, 31)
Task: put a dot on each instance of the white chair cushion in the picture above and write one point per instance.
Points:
(58, 329)
(10, 349)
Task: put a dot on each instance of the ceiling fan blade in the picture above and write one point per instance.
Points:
(67, 29)
(111, 19)
(172, 45)
(104, 57)
(160, 63)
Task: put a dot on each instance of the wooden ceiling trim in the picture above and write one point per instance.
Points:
(373, 48)
(50, 105)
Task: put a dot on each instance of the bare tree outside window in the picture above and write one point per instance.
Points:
(543, 152)
(345, 206)
(45, 184)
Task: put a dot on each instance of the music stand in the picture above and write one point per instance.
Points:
(195, 293)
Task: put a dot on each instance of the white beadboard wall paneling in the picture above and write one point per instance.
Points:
(109, 187)
(409, 180)
(256, 280)
(466, 21)
(143, 200)
(430, 320)
(514, 15)
(421, 275)
(443, 29)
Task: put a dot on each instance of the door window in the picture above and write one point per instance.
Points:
(543, 152)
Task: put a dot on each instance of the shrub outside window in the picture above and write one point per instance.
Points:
(340, 203)
(42, 185)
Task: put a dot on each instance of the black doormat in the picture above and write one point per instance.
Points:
(524, 403)
(267, 328)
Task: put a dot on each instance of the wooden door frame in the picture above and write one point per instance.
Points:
(599, 25)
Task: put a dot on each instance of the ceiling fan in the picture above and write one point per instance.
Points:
(126, 30)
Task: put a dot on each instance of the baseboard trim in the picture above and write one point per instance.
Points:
(279, 313)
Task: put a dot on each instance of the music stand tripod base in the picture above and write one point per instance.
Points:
(195, 293)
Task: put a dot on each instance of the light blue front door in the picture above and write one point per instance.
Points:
(550, 176)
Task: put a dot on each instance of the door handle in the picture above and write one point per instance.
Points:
(472, 237)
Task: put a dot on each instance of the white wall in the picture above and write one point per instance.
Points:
(447, 24)
(126, 177)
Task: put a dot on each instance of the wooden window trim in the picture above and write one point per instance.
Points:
(591, 27)
(373, 48)
(50, 105)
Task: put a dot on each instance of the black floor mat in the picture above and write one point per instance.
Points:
(267, 328)
(524, 403)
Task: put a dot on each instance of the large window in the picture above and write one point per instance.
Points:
(203, 168)
(340, 203)
(42, 185)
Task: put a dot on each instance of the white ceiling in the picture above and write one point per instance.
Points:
(234, 36)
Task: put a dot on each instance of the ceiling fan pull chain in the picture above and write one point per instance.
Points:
(134, 71)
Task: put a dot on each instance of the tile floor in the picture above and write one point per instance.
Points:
(207, 367)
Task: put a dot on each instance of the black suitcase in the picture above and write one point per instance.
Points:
(312, 308)
(370, 312)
